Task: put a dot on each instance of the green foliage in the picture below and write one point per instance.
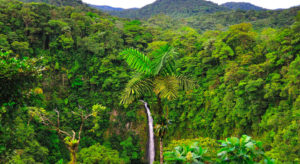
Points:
(260, 19)
(66, 57)
(177, 8)
(243, 150)
(233, 150)
(17, 73)
(209, 144)
(161, 128)
(129, 151)
(66, 42)
(58, 3)
(20, 47)
(187, 154)
(157, 75)
(242, 6)
(240, 89)
(204, 15)
(136, 60)
(98, 154)
(29, 149)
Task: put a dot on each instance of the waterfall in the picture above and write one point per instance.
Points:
(151, 150)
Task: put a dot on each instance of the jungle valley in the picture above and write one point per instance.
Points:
(177, 81)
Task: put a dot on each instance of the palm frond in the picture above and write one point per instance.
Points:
(166, 87)
(169, 68)
(135, 88)
(137, 60)
(163, 61)
(186, 83)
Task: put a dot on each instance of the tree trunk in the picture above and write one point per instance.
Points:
(63, 79)
(73, 157)
(161, 150)
(160, 108)
(73, 151)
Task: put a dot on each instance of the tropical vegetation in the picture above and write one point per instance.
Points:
(65, 68)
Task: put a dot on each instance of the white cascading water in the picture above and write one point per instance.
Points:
(151, 150)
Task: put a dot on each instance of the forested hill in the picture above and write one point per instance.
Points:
(106, 8)
(58, 2)
(242, 6)
(260, 19)
(64, 71)
(204, 15)
(177, 8)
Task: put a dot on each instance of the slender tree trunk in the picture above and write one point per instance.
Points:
(160, 109)
(63, 80)
(161, 150)
(73, 156)
(73, 148)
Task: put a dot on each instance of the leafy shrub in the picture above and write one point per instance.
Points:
(187, 154)
(233, 150)
(242, 151)
(208, 143)
(130, 151)
(98, 154)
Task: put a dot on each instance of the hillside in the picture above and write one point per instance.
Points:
(58, 2)
(176, 8)
(106, 8)
(242, 6)
(260, 19)
(204, 15)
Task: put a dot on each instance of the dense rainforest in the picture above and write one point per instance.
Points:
(205, 15)
(65, 70)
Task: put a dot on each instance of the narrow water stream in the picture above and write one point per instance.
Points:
(151, 149)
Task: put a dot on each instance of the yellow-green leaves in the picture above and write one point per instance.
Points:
(166, 87)
(98, 108)
(35, 112)
(135, 88)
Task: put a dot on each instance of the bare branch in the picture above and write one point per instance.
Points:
(63, 132)
(74, 135)
(83, 118)
(87, 116)
(82, 122)
(75, 113)
(46, 120)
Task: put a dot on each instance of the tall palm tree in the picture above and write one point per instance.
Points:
(161, 129)
(157, 75)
